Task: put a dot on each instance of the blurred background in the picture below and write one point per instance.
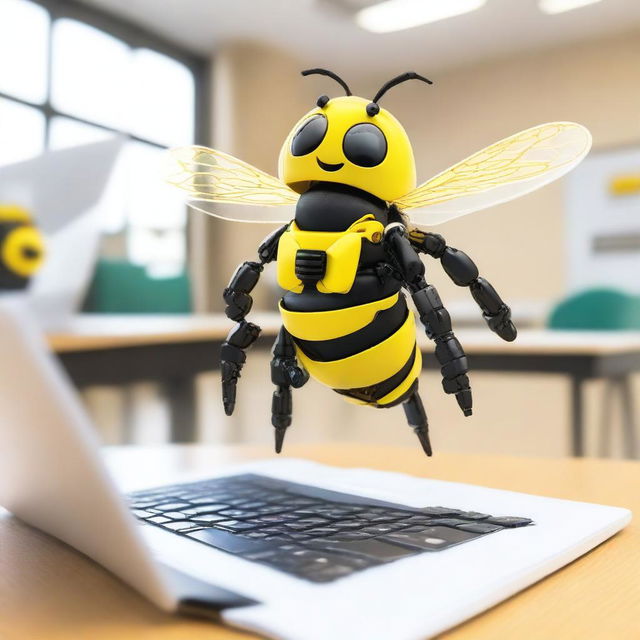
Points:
(226, 74)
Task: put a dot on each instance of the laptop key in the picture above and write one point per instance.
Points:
(350, 524)
(272, 509)
(206, 500)
(307, 523)
(235, 525)
(298, 535)
(380, 529)
(440, 511)
(350, 535)
(139, 513)
(382, 518)
(276, 518)
(432, 538)
(418, 520)
(509, 521)
(373, 549)
(446, 522)
(255, 504)
(180, 526)
(208, 508)
(207, 518)
(474, 515)
(238, 513)
(173, 506)
(158, 519)
(321, 532)
(175, 515)
(479, 527)
(227, 541)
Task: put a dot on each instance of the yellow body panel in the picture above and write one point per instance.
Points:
(342, 249)
(285, 266)
(327, 325)
(367, 367)
(393, 178)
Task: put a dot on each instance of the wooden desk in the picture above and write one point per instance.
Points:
(49, 591)
(105, 349)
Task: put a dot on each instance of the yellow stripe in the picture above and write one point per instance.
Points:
(367, 367)
(403, 387)
(327, 325)
(13, 213)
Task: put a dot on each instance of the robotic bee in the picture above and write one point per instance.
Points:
(21, 248)
(354, 244)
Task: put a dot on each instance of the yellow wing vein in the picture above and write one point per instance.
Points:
(527, 155)
(214, 176)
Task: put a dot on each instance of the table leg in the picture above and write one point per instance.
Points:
(577, 427)
(628, 417)
(610, 387)
(181, 395)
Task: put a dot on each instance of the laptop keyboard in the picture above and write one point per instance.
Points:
(311, 533)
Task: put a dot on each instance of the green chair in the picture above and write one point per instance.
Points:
(604, 309)
(122, 287)
(600, 309)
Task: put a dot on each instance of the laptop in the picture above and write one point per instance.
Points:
(285, 548)
(62, 190)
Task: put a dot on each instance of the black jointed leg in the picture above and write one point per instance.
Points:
(239, 302)
(463, 271)
(449, 351)
(434, 317)
(417, 419)
(285, 373)
(233, 357)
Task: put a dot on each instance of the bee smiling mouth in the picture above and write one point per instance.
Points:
(329, 167)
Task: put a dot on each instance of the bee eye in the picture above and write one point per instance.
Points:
(309, 136)
(365, 145)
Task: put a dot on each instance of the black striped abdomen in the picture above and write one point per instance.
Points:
(366, 352)
(385, 323)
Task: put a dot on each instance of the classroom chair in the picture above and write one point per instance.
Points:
(604, 309)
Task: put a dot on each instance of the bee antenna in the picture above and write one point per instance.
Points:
(326, 72)
(409, 75)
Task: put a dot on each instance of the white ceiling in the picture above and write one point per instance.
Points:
(322, 35)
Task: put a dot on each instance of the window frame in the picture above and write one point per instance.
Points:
(135, 37)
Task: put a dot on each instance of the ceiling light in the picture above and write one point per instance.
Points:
(560, 6)
(396, 15)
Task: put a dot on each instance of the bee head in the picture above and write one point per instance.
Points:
(21, 247)
(352, 141)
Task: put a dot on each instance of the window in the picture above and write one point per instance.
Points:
(84, 77)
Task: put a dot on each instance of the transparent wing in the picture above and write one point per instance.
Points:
(501, 172)
(212, 179)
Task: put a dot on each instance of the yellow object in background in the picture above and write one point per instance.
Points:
(21, 247)
(22, 251)
(14, 213)
(625, 185)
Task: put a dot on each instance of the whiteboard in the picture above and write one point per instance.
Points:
(603, 229)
